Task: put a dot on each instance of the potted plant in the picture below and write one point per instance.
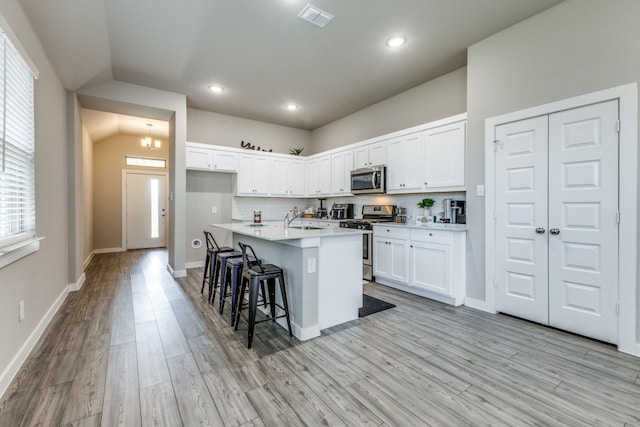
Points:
(296, 151)
(426, 204)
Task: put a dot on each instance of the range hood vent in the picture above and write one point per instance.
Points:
(315, 16)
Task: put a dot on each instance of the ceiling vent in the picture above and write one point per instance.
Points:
(315, 16)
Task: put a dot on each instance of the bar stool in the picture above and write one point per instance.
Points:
(233, 280)
(212, 251)
(221, 270)
(254, 274)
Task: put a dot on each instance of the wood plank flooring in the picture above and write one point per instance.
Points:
(136, 347)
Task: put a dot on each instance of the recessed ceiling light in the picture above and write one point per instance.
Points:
(216, 88)
(396, 41)
(291, 107)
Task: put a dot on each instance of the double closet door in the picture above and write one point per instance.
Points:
(557, 220)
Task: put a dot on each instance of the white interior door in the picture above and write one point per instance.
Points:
(583, 208)
(521, 219)
(145, 210)
(557, 220)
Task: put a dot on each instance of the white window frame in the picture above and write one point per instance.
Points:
(25, 242)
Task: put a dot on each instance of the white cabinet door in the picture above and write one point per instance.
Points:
(253, 175)
(404, 164)
(444, 156)
(341, 166)
(378, 154)
(224, 161)
(370, 155)
(279, 177)
(319, 177)
(431, 267)
(198, 158)
(390, 258)
(297, 177)
(381, 257)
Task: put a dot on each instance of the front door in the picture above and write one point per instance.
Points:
(145, 210)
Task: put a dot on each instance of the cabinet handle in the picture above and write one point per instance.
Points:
(540, 230)
(554, 231)
(430, 234)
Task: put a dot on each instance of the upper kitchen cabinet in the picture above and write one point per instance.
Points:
(443, 151)
(404, 164)
(253, 175)
(319, 176)
(201, 157)
(341, 166)
(370, 155)
(288, 177)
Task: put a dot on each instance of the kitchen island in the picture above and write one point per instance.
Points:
(322, 268)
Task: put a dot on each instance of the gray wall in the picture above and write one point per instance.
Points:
(577, 47)
(40, 278)
(439, 98)
(204, 190)
(219, 129)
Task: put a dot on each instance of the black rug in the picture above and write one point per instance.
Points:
(372, 305)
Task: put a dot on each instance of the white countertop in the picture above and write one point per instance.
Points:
(429, 225)
(276, 231)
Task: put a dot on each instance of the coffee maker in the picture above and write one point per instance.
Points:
(342, 211)
(454, 211)
(321, 212)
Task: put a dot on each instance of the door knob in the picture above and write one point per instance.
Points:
(554, 231)
(540, 230)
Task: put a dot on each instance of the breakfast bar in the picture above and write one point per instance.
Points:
(323, 270)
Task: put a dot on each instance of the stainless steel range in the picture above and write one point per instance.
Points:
(370, 214)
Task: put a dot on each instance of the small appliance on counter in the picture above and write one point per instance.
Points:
(342, 211)
(401, 216)
(321, 212)
(454, 211)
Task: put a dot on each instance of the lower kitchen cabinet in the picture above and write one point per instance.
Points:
(391, 254)
(427, 262)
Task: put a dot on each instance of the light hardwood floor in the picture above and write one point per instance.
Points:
(136, 347)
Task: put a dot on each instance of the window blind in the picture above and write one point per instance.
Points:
(17, 167)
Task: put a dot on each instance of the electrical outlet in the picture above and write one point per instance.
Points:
(214, 209)
(311, 265)
(21, 311)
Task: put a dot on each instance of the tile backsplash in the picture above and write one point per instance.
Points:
(275, 208)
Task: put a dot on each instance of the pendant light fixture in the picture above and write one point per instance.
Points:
(148, 143)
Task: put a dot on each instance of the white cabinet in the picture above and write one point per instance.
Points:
(253, 175)
(288, 177)
(203, 158)
(390, 253)
(341, 166)
(319, 176)
(370, 155)
(431, 263)
(404, 164)
(443, 151)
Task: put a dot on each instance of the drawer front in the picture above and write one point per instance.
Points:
(432, 236)
(390, 232)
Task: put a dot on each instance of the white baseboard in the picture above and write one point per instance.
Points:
(87, 261)
(109, 250)
(176, 273)
(73, 287)
(15, 364)
(479, 305)
(194, 264)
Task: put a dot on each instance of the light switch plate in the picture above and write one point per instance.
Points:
(480, 190)
(214, 209)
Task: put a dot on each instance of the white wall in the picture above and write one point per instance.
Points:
(41, 278)
(434, 100)
(219, 129)
(87, 196)
(577, 47)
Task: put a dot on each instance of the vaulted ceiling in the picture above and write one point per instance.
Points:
(263, 54)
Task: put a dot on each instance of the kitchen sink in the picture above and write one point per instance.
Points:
(305, 227)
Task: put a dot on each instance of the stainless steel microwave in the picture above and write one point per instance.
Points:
(368, 180)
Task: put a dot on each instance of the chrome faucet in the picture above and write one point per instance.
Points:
(289, 219)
